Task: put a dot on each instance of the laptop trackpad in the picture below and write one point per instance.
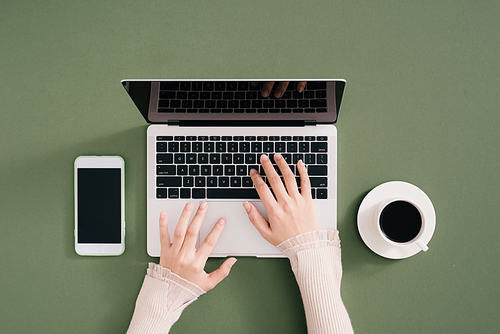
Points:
(240, 237)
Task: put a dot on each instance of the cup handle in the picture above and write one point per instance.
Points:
(422, 245)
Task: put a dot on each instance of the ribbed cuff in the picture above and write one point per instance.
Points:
(167, 276)
(309, 240)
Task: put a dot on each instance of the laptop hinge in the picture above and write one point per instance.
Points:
(237, 123)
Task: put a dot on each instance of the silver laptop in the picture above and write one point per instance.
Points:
(206, 135)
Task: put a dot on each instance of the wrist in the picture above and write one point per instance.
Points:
(309, 240)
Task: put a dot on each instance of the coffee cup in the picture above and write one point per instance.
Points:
(401, 222)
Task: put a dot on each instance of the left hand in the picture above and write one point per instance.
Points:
(181, 255)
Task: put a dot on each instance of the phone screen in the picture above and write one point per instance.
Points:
(99, 201)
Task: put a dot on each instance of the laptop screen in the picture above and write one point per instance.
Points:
(244, 102)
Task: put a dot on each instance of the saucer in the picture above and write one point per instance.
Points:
(368, 227)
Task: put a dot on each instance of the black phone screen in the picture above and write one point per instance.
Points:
(99, 205)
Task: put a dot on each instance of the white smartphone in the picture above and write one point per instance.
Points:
(99, 205)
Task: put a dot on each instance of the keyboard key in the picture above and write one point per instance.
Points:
(194, 170)
(318, 182)
(185, 193)
(198, 193)
(187, 181)
(182, 169)
(218, 170)
(173, 147)
(309, 159)
(247, 182)
(164, 158)
(291, 147)
(229, 170)
(161, 193)
(179, 158)
(317, 170)
(212, 181)
(169, 85)
(223, 181)
(236, 182)
(321, 193)
(173, 192)
(250, 159)
(168, 181)
(319, 147)
(161, 147)
(203, 159)
(165, 170)
(185, 147)
(199, 181)
(322, 159)
(241, 193)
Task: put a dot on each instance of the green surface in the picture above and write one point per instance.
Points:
(421, 105)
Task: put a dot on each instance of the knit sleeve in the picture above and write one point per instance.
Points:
(316, 262)
(163, 297)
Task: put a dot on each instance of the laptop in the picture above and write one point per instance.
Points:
(204, 137)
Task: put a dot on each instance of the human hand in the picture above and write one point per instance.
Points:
(181, 256)
(267, 87)
(290, 213)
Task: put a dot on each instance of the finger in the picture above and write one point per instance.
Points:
(262, 189)
(180, 229)
(257, 220)
(194, 227)
(280, 90)
(164, 235)
(211, 240)
(267, 87)
(305, 183)
(301, 85)
(288, 176)
(273, 177)
(216, 276)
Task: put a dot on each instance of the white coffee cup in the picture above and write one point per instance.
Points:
(401, 222)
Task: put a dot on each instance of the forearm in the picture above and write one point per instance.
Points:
(316, 263)
(162, 298)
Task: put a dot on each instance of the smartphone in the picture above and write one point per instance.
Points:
(99, 205)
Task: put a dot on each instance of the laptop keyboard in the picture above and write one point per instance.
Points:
(217, 167)
(238, 97)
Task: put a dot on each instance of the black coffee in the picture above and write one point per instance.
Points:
(400, 221)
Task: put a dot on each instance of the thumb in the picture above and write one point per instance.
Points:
(216, 276)
(257, 220)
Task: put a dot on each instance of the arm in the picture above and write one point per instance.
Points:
(179, 279)
(314, 255)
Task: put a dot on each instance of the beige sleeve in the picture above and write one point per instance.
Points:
(316, 262)
(163, 297)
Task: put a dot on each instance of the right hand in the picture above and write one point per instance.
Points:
(291, 213)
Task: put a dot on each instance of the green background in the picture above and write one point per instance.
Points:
(421, 105)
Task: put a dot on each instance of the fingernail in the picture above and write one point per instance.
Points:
(189, 206)
(264, 157)
(301, 163)
(247, 206)
(203, 205)
(231, 262)
(277, 156)
(221, 221)
(265, 93)
(278, 94)
(163, 215)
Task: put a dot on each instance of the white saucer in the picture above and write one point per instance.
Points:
(367, 225)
